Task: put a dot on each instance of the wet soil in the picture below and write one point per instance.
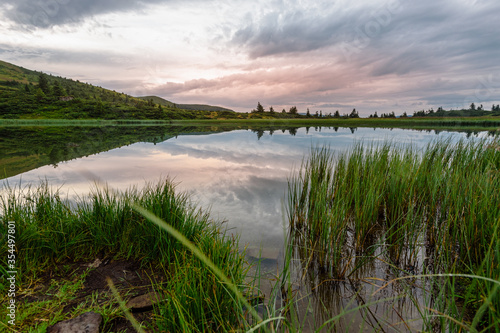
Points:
(128, 276)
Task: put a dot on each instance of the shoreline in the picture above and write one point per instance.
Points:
(450, 123)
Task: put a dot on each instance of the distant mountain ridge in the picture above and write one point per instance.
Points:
(194, 107)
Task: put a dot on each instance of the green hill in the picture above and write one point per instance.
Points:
(194, 107)
(157, 100)
(10, 72)
(14, 79)
(27, 94)
(203, 107)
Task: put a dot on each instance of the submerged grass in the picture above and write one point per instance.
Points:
(399, 205)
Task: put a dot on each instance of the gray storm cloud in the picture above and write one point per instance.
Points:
(322, 53)
(48, 13)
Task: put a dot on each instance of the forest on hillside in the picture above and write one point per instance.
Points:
(48, 96)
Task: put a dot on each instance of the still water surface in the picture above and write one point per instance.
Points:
(241, 175)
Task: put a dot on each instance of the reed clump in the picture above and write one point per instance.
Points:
(399, 203)
(51, 231)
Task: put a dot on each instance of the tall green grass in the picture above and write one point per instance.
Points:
(420, 212)
(52, 231)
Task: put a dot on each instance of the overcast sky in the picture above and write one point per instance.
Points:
(396, 55)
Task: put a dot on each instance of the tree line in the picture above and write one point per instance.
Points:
(294, 112)
(472, 111)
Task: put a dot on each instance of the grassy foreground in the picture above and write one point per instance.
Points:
(431, 216)
(53, 234)
(375, 203)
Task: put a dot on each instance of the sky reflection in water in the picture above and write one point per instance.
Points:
(242, 179)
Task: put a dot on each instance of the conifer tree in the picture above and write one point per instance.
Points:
(58, 90)
(40, 95)
(354, 114)
(260, 108)
(43, 83)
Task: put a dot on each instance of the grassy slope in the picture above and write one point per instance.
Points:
(19, 99)
(11, 72)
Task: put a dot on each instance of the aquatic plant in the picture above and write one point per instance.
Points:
(423, 212)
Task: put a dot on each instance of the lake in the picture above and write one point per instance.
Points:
(239, 175)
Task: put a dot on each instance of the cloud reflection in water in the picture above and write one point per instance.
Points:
(241, 179)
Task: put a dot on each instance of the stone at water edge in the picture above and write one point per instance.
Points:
(86, 323)
(143, 302)
(95, 264)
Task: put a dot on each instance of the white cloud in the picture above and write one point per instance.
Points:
(283, 52)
